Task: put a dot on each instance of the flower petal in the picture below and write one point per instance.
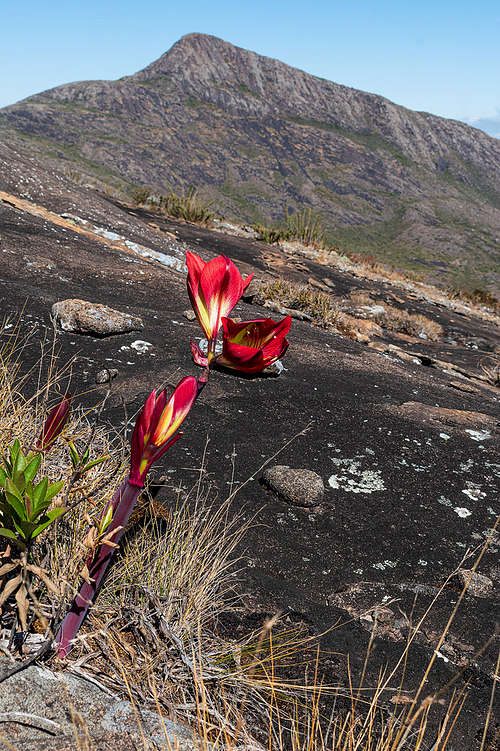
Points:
(198, 356)
(176, 410)
(250, 346)
(54, 424)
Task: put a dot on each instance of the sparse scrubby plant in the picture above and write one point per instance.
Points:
(187, 205)
(476, 296)
(142, 196)
(304, 226)
(490, 366)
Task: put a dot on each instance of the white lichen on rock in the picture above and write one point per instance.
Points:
(479, 435)
(463, 513)
(353, 479)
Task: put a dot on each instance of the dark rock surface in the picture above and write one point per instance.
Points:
(300, 487)
(408, 460)
(258, 136)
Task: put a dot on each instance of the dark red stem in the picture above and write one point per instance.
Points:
(123, 501)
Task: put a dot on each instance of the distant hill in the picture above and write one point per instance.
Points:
(258, 137)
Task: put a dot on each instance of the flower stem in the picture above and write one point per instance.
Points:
(123, 501)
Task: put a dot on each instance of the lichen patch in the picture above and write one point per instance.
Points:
(353, 479)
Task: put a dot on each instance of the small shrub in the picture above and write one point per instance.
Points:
(271, 235)
(187, 205)
(306, 226)
(141, 196)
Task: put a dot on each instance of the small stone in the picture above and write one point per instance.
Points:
(300, 487)
(106, 375)
(83, 317)
(189, 314)
(478, 584)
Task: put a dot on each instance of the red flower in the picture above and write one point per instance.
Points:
(155, 427)
(251, 346)
(54, 424)
(214, 288)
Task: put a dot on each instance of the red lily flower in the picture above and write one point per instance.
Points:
(251, 346)
(214, 288)
(153, 435)
(155, 427)
(54, 424)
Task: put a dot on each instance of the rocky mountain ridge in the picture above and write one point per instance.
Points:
(260, 137)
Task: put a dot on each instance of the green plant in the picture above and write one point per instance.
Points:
(24, 504)
(304, 226)
(81, 464)
(271, 235)
(140, 196)
(187, 205)
(24, 514)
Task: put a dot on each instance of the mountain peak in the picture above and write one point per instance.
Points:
(194, 49)
(260, 137)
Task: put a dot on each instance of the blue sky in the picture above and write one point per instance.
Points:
(440, 56)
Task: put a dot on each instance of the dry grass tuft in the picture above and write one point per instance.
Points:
(320, 306)
(476, 296)
(395, 319)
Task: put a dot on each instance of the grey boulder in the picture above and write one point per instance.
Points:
(300, 487)
(83, 317)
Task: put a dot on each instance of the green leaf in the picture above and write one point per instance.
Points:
(75, 459)
(12, 488)
(3, 477)
(21, 534)
(95, 462)
(106, 521)
(53, 490)
(50, 517)
(32, 468)
(40, 493)
(18, 464)
(14, 450)
(8, 533)
(12, 536)
(14, 500)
